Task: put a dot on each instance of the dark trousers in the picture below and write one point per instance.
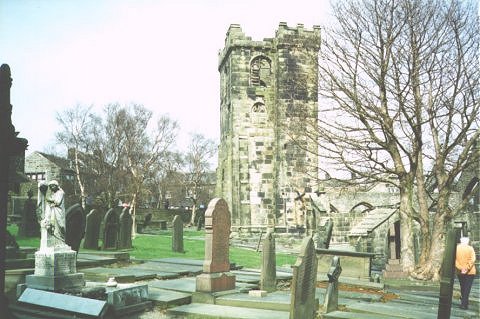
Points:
(465, 287)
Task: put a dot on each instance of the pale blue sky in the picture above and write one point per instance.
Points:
(162, 54)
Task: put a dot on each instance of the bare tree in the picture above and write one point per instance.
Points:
(77, 133)
(399, 82)
(197, 164)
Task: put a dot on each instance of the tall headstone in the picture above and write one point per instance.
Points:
(177, 234)
(110, 230)
(74, 226)
(303, 303)
(92, 230)
(331, 296)
(125, 232)
(324, 234)
(268, 277)
(216, 266)
(447, 275)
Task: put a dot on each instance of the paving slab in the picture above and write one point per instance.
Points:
(168, 298)
(196, 310)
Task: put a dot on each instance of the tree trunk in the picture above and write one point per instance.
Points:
(407, 256)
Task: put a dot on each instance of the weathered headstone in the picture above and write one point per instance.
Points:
(92, 230)
(125, 233)
(268, 277)
(74, 226)
(31, 225)
(447, 275)
(331, 295)
(177, 234)
(110, 229)
(303, 302)
(216, 266)
(325, 234)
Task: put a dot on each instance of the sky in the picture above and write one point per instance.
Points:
(162, 54)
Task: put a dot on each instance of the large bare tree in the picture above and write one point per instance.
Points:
(197, 164)
(399, 86)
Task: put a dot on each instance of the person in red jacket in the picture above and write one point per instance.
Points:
(465, 265)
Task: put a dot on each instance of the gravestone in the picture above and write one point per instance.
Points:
(268, 277)
(125, 232)
(11, 245)
(216, 266)
(303, 303)
(324, 235)
(331, 295)
(177, 234)
(92, 230)
(31, 225)
(110, 230)
(74, 226)
(447, 275)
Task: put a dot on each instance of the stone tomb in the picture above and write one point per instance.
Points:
(92, 230)
(303, 303)
(216, 266)
(177, 234)
(110, 231)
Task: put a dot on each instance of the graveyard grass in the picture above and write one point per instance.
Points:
(160, 246)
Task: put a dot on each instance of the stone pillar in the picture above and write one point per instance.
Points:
(10, 147)
(177, 234)
(268, 278)
(216, 267)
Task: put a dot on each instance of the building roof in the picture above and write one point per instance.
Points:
(59, 161)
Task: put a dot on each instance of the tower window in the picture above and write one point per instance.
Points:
(260, 71)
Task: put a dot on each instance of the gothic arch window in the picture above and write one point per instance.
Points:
(362, 207)
(260, 71)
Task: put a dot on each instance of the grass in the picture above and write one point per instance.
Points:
(160, 246)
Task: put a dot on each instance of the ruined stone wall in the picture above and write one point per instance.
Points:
(256, 161)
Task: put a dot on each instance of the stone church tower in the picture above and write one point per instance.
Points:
(262, 83)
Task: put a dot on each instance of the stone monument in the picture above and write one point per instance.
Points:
(92, 230)
(177, 234)
(331, 296)
(55, 261)
(268, 277)
(216, 266)
(303, 303)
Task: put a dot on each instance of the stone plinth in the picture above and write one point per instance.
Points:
(55, 269)
(214, 282)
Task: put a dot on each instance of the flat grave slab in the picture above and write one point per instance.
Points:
(218, 311)
(179, 261)
(120, 274)
(394, 310)
(186, 285)
(168, 298)
(172, 268)
(281, 275)
(351, 315)
(279, 300)
(79, 305)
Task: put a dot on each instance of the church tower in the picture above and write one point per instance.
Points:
(262, 84)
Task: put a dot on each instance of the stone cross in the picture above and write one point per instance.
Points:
(125, 232)
(268, 277)
(331, 295)
(110, 230)
(447, 275)
(177, 234)
(303, 303)
(92, 230)
(216, 266)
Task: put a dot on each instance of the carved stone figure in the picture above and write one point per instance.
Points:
(52, 212)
